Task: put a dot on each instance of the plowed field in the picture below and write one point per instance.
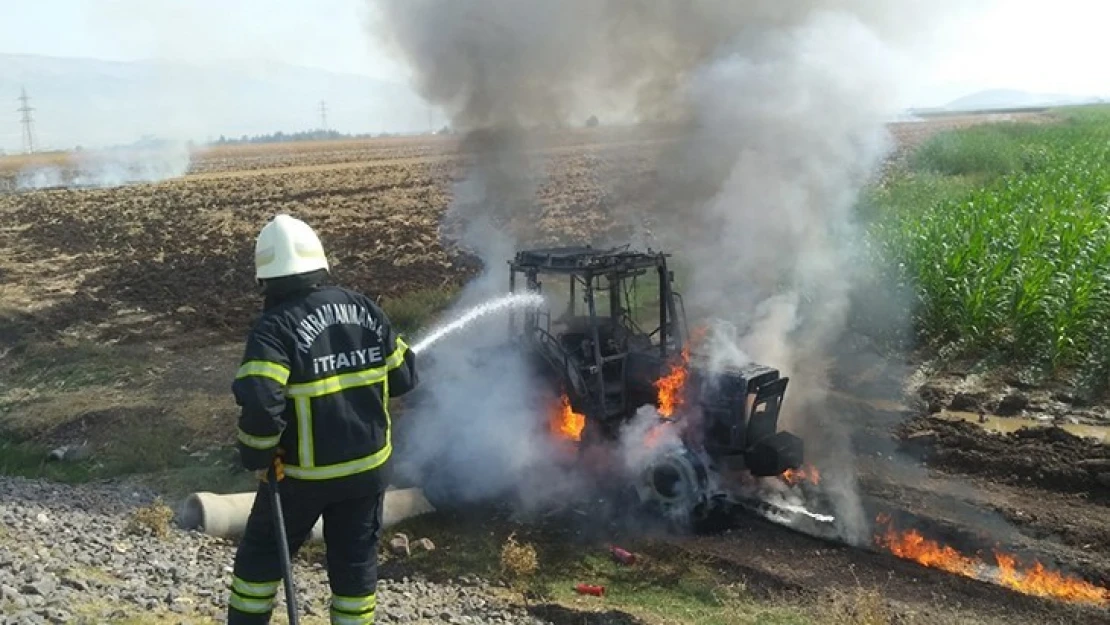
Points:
(121, 261)
(134, 260)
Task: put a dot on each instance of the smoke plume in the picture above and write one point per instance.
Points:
(112, 167)
(781, 109)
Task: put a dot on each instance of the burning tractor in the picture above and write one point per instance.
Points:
(614, 342)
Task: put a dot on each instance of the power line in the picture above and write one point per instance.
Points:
(27, 121)
(323, 115)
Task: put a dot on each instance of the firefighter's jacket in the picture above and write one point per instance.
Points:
(315, 381)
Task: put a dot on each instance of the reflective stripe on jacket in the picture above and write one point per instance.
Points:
(316, 377)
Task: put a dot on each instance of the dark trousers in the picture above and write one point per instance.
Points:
(352, 512)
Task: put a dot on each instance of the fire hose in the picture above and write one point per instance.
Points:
(274, 475)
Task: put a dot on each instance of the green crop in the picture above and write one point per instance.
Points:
(1003, 234)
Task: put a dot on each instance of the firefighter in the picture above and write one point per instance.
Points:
(319, 368)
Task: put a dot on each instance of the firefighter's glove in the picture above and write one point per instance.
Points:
(279, 468)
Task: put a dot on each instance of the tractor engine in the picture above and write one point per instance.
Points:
(728, 422)
(739, 413)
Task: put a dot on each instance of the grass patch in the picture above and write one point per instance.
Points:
(1002, 234)
(30, 460)
(988, 149)
(132, 410)
(153, 519)
(412, 311)
(540, 564)
(541, 567)
(670, 587)
(36, 370)
(179, 473)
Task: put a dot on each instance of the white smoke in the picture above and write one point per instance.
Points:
(782, 109)
(112, 167)
(796, 120)
(645, 438)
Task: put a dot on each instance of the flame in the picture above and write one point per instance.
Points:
(670, 386)
(911, 545)
(805, 473)
(1034, 580)
(566, 423)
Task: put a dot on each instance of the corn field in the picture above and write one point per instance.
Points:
(1003, 234)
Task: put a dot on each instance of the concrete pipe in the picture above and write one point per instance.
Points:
(225, 516)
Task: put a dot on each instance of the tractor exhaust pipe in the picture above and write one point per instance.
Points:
(225, 516)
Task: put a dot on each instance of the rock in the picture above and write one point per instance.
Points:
(924, 438)
(43, 587)
(426, 544)
(1012, 404)
(43, 567)
(399, 545)
(965, 402)
(1103, 479)
(933, 396)
(57, 615)
(77, 453)
(1095, 465)
(75, 583)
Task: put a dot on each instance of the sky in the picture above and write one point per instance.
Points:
(326, 34)
(1040, 47)
(1057, 47)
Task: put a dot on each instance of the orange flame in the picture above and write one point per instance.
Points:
(805, 473)
(1034, 580)
(670, 386)
(566, 423)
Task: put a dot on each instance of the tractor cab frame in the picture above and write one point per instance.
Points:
(620, 329)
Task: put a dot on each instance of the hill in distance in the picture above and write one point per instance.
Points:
(1013, 98)
(95, 103)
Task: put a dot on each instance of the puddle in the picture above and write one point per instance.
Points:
(1006, 425)
(878, 404)
(1013, 424)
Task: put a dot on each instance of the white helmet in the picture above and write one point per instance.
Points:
(287, 246)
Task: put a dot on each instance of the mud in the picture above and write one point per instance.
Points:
(770, 555)
(1008, 425)
(1049, 457)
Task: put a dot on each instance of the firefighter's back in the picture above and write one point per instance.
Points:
(318, 370)
(345, 357)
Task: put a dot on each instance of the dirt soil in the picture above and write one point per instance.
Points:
(1049, 458)
(976, 491)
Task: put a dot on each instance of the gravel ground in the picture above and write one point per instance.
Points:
(70, 555)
